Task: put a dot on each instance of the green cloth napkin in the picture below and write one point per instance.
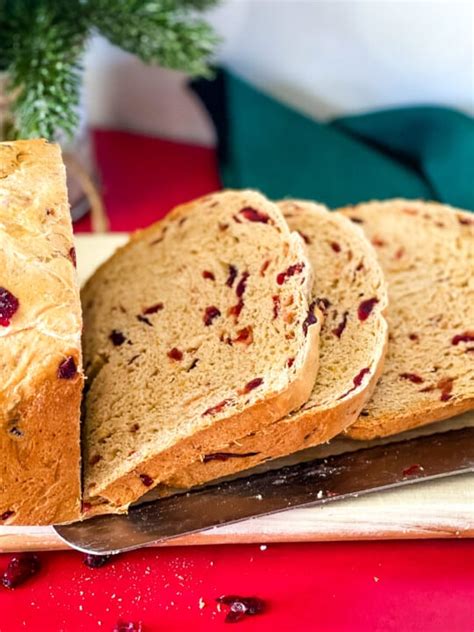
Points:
(412, 152)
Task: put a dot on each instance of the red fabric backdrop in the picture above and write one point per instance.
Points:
(419, 586)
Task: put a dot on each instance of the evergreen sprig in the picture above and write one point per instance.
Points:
(42, 43)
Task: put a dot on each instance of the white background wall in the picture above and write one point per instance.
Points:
(325, 57)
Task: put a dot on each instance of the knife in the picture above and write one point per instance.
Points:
(312, 483)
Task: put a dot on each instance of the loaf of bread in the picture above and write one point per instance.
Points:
(427, 254)
(350, 289)
(199, 330)
(40, 327)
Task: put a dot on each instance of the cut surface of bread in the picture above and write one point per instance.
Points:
(427, 253)
(200, 329)
(350, 289)
(40, 328)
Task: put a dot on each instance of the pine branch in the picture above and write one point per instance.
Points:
(45, 68)
(42, 42)
(166, 32)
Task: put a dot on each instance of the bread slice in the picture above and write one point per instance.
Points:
(40, 327)
(427, 253)
(350, 288)
(197, 331)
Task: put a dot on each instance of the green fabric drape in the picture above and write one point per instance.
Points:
(412, 152)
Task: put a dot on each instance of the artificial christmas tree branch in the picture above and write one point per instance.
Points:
(42, 43)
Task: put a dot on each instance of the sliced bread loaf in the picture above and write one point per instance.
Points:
(427, 254)
(349, 287)
(40, 350)
(185, 347)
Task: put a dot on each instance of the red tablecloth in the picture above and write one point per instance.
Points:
(424, 586)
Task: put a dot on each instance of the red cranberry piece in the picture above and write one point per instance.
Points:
(240, 607)
(276, 306)
(466, 221)
(146, 480)
(135, 428)
(217, 408)
(157, 307)
(9, 305)
(252, 215)
(366, 307)
(128, 626)
(310, 318)
(357, 381)
(296, 268)
(175, 354)
(242, 284)
(324, 304)
(412, 377)
(72, 256)
(97, 561)
(290, 362)
(253, 384)
(85, 507)
(360, 376)
(335, 246)
(235, 310)
(232, 276)
(20, 568)
(117, 337)
(210, 314)
(446, 386)
(337, 331)
(413, 337)
(67, 369)
(225, 456)
(206, 274)
(466, 336)
(413, 469)
(245, 336)
(6, 514)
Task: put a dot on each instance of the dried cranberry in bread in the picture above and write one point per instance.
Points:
(427, 254)
(40, 328)
(183, 350)
(350, 288)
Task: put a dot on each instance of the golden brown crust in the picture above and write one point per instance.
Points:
(39, 410)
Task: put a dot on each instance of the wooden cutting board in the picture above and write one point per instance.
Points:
(437, 509)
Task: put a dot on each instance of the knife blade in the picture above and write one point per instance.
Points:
(309, 483)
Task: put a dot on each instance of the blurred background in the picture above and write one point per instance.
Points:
(323, 57)
(158, 101)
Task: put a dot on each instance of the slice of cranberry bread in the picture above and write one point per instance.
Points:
(350, 288)
(427, 253)
(199, 330)
(40, 330)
